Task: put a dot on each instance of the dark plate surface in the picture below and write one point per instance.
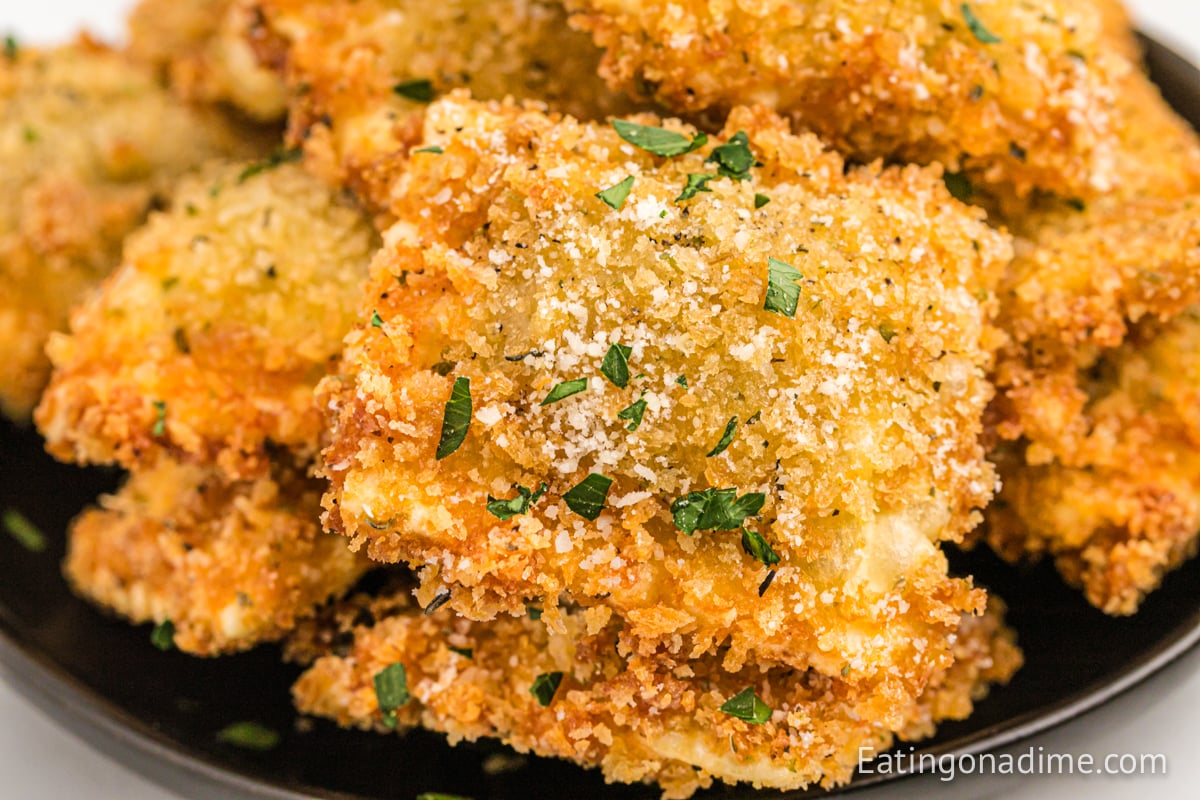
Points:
(159, 712)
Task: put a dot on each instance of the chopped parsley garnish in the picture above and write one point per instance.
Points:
(696, 183)
(433, 148)
(23, 531)
(565, 389)
(615, 196)
(760, 200)
(544, 687)
(465, 652)
(766, 584)
(534, 612)
(391, 691)
(846, 669)
(726, 438)
(734, 159)
(160, 418)
(783, 293)
(443, 368)
(755, 545)
(280, 157)
(959, 185)
(249, 735)
(659, 141)
(376, 320)
(976, 27)
(163, 635)
(587, 497)
(682, 381)
(30, 135)
(507, 509)
(748, 707)
(11, 48)
(888, 331)
(615, 366)
(419, 90)
(634, 414)
(456, 419)
(715, 510)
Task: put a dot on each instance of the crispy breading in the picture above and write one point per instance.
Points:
(89, 144)
(1118, 504)
(858, 421)
(203, 50)
(1019, 95)
(230, 565)
(207, 342)
(637, 718)
(344, 60)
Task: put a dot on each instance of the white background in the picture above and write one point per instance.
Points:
(39, 761)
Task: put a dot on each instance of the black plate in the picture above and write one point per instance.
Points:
(159, 711)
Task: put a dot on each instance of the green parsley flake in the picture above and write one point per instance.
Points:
(959, 186)
(682, 381)
(633, 414)
(587, 497)
(376, 320)
(748, 707)
(433, 148)
(160, 418)
(534, 612)
(760, 200)
(505, 510)
(755, 545)
(783, 293)
(23, 531)
(695, 184)
(565, 389)
(614, 196)
(544, 687)
(659, 141)
(734, 158)
(726, 438)
(280, 157)
(391, 691)
(419, 91)
(457, 418)
(465, 652)
(615, 366)
(977, 29)
(443, 368)
(11, 48)
(888, 331)
(163, 635)
(30, 135)
(249, 735)
(715, 510)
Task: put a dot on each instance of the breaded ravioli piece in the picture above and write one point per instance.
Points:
(89, 144)
(208, 341)
(741, 420)
(1019, 95)
(229, 565)
(361, 71)
(1118, 505)
(203, 50)
(575, 693)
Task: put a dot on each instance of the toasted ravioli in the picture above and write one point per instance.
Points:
(1018, 95)
(638, 719)
(204, 51)
(229, 565)
(361, 71)
(640, 361)
(208, 341)
(89, 144)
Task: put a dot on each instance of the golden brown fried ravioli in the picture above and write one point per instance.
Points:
(230, 565)
(208, 341)
(638, 719)
(89, 144)
(799, 354)
(204, 51)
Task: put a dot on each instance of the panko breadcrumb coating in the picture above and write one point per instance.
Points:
(1119, 505)
(361, 71)
(1019, 95)
(230, 565)
(208, 341)
(89, 144)
(638, 719)
(203, 49)
(857, 422)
